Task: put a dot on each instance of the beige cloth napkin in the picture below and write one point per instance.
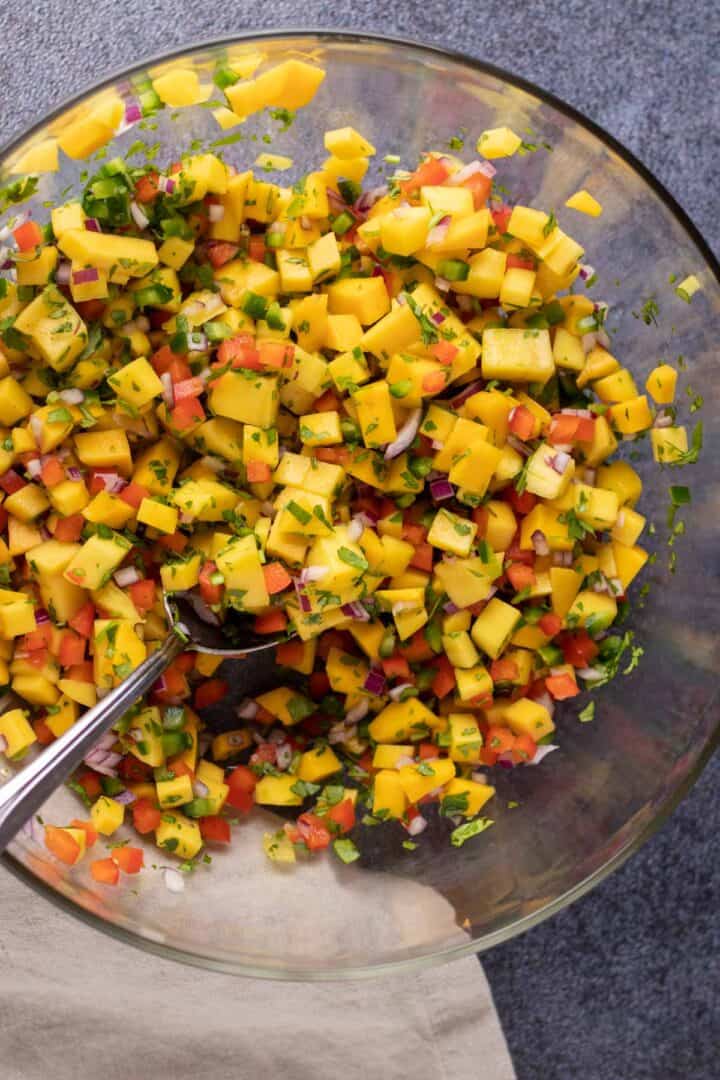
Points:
(74, 1003)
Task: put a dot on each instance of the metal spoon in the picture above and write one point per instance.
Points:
(25, 793)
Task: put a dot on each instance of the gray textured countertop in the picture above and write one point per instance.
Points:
(625, 983)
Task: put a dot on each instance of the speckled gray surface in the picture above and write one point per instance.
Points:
(625, 984)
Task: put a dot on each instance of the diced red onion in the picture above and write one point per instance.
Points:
(336, 202)
(472, 169)
(166, 184)
(441, 489)
(305, 222)
(356, 610)
(358, 712)
(590, 674)
(417, 825)
(85, 276)
(73, 396)
(36, 426)
(41, 616)
(305, 605)
(34, 468)
(73, 473)
(467, 392)
(404, 760)
(202, 610)
(403, 605)
(173, 880)
(216, 212)
(539, 543)
(200, 790)
(112, 481)
(355, 529)
(589, 341)
(168, 391)
(662, 420)
(3, 744)
(214, 463)
(374, 682)
(505, 761)
(546, 701)
(586, 271)
(139, 216)
(559, 462)
(63, 272)
(479, 777)
(142, 322)
(437, 444)
(438, 232)
(405, 435)
(133, 113)
(442, 284)
(401, 299)
(247, 710)
(518, 445)
(603, 338)
(438, 318)
(312, 573)
(365, 202)
(368, 518)
(284, 756)
(397, 691)
(542, 752)
(92, 225)
(127, 576)
(586, 414)
(125, 798)
(450, 608)
(197, 342)
(616, 586)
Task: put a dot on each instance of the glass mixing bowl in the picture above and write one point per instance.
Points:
(613, 781)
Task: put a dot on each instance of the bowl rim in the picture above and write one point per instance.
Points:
(669, 804)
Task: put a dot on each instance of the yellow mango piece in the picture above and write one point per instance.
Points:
(107, 815)
(318, 764)
(498, 142)
(661, 383)
(277, 791)
(346, 142)
(515, 355)
(41, 158)
(584, 202)
(389, 800)
(17, 733)
(179, 835)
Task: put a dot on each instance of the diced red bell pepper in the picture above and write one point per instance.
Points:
(146, 817)
(11, 482)
(524, 749)
(88, 828)
(561, 687)
(520, 262)
(276, 578)
(342, 815)
(313, 831)
(578, 649)
(72, 649)
(522, 503)
(186, 414)
(276, 354)
(176, 542)
(52, 472)
(256, 246)
(417, 649)
(130, 859)
(444, 352)
(134, 771)
(210, 692)
(28, 235)
(480, 186)
(133, 494)
(89, 781)
(563, 429)
(272, 622)
(82, 672)
(210, 591)
(142, 594)
(83, 619)
(258, 472)
(434, 382)
(242, 782)
(216, 829)
(290, 653)
(335, 455)
(105, 871)
(164, 359)
(504, 670)
(397, 667)
(146, 187)
(188, 388)
(550, 624)
(93, 310)
(430, 173)
(43, 734)
(240, 352)
(40, 638)
(220, 252)
(501, 217)
(318, 685)
(444, 680)
(522, 423)
(63, 846)
(520, 576)
(423, 557)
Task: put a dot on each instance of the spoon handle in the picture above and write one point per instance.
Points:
(25, 793)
